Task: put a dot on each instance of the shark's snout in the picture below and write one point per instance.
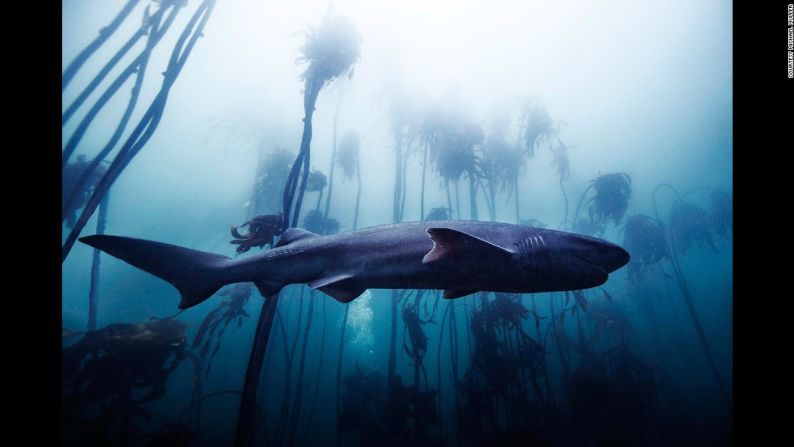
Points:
(614, 258)
(599, 252)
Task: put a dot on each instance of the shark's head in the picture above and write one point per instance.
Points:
(556, 260)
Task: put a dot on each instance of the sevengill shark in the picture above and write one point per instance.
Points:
(459, 257)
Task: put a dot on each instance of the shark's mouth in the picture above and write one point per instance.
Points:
(601, 273)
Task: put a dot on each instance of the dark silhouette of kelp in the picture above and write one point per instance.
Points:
(271, 176)
(348, 159)
(332, 49)
(502, 163)
(319, 224)
(211, 330)
(261, 231)
(317, 183)
(645, 239)
(141, 134)
(363, 407)
(72, 174)
(501, 393)
(562, 165)
(372, 416)
(612, 194)
(439, 213)
(608, 203)
(537, 125)
(690, 226)
(109, 374)
(104, 35)
(613, 398)
(722, 213)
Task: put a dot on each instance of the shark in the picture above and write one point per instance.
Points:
(456, 256)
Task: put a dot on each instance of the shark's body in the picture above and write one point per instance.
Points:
(460, 257)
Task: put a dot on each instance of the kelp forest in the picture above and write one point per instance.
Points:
(357, 140)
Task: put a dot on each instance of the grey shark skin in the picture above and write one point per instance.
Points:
(460, 257)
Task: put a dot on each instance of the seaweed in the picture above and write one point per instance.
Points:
(105, 371)
(690, 226)
(612, 194)
(319, 224)
(645, 239)
(722, 213)
(261, 231)
(215, 323)
(613, 397)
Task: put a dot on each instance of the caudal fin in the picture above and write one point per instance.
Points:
(196, 274)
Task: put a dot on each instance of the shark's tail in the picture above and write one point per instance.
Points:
(196, 274)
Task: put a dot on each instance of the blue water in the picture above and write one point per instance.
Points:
(637, 89)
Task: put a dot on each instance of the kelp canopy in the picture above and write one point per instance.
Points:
(612, 194)
(644, 238)
(690, 226)
(331, 49)
(537, 124)
(347, 153)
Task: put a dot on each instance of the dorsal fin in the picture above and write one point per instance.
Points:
(449, 243)
(294, 234)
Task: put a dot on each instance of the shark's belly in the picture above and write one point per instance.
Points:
(411, 273)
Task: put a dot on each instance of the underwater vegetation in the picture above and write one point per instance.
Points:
(439, 213)
(72, 175)
(112, 372)
(644, 237)
(215, 323)
(609, 202)
(347, 157)
(506, 376)
(721, 213)
(643, 359)
(613, 395)
(261, 231)
(611, 199)
(154, 29)
(537, 125)
(690, 226)
(319, 224)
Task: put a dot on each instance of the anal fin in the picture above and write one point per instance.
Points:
(341, 287)
(452, 294)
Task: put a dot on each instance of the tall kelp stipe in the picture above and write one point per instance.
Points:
(87, 186)
(332, 49)
(502, 164)
(334, 141)
(103, 36)
(349, 161)
(690, 226)
(151, 118)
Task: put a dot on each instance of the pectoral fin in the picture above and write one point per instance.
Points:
(449, 243)
(341, 287)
